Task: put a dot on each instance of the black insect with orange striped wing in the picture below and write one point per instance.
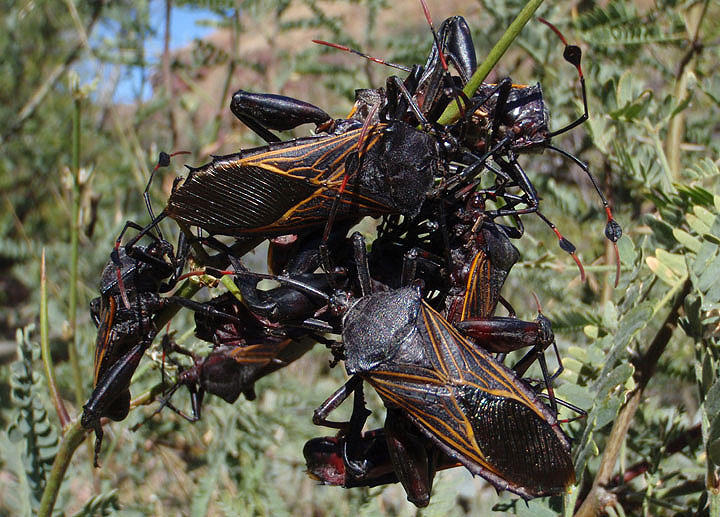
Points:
(124, 331)
(497, 123)
(289, 186)
(130, 297)
(465, 258)
(481, 260)
(230, 370)
(477, 410)
(473, 408)
(120, 326)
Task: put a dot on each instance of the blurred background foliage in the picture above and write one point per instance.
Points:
(642, 359)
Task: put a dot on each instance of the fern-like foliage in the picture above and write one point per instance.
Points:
(32, 425)
(619, 24)
(102, 504)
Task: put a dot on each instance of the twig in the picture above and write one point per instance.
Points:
(74, 249)
(45, 349)
(676, 126)
(232, 65)
(70, 442)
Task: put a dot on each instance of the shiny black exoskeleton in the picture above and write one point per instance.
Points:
(131, 296)
(473, 408)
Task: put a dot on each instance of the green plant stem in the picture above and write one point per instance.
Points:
(148, 396)
(74, 251)
(45, 349)
(714, 503)
(451, 112)
(186, 290)
(599, 498)
(70, 442)
(76, 433)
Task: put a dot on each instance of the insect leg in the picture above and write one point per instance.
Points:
(455, 36)
(361, 263)
(355, 463)
(408, 453)
(321, 413)
(111, 391)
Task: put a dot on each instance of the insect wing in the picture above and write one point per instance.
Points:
(431, 404)
(478, 301)
(276, 190)
(104, 356)
(480, 413)
(514, 430)
(424, 395)
(258, 354)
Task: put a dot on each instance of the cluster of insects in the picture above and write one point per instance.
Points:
(411, 311)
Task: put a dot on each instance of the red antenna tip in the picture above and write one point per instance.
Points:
(328, 44)
(537, 302)
(426, 11)
(580, 266)
(617, 264)
(554, 29)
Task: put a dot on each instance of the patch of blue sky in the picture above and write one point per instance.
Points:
(186, 24)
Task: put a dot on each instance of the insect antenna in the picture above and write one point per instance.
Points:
(356, 165)
(163, 161)
(362, 54)
(613, 230)
(572, 55)
(564, 244)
